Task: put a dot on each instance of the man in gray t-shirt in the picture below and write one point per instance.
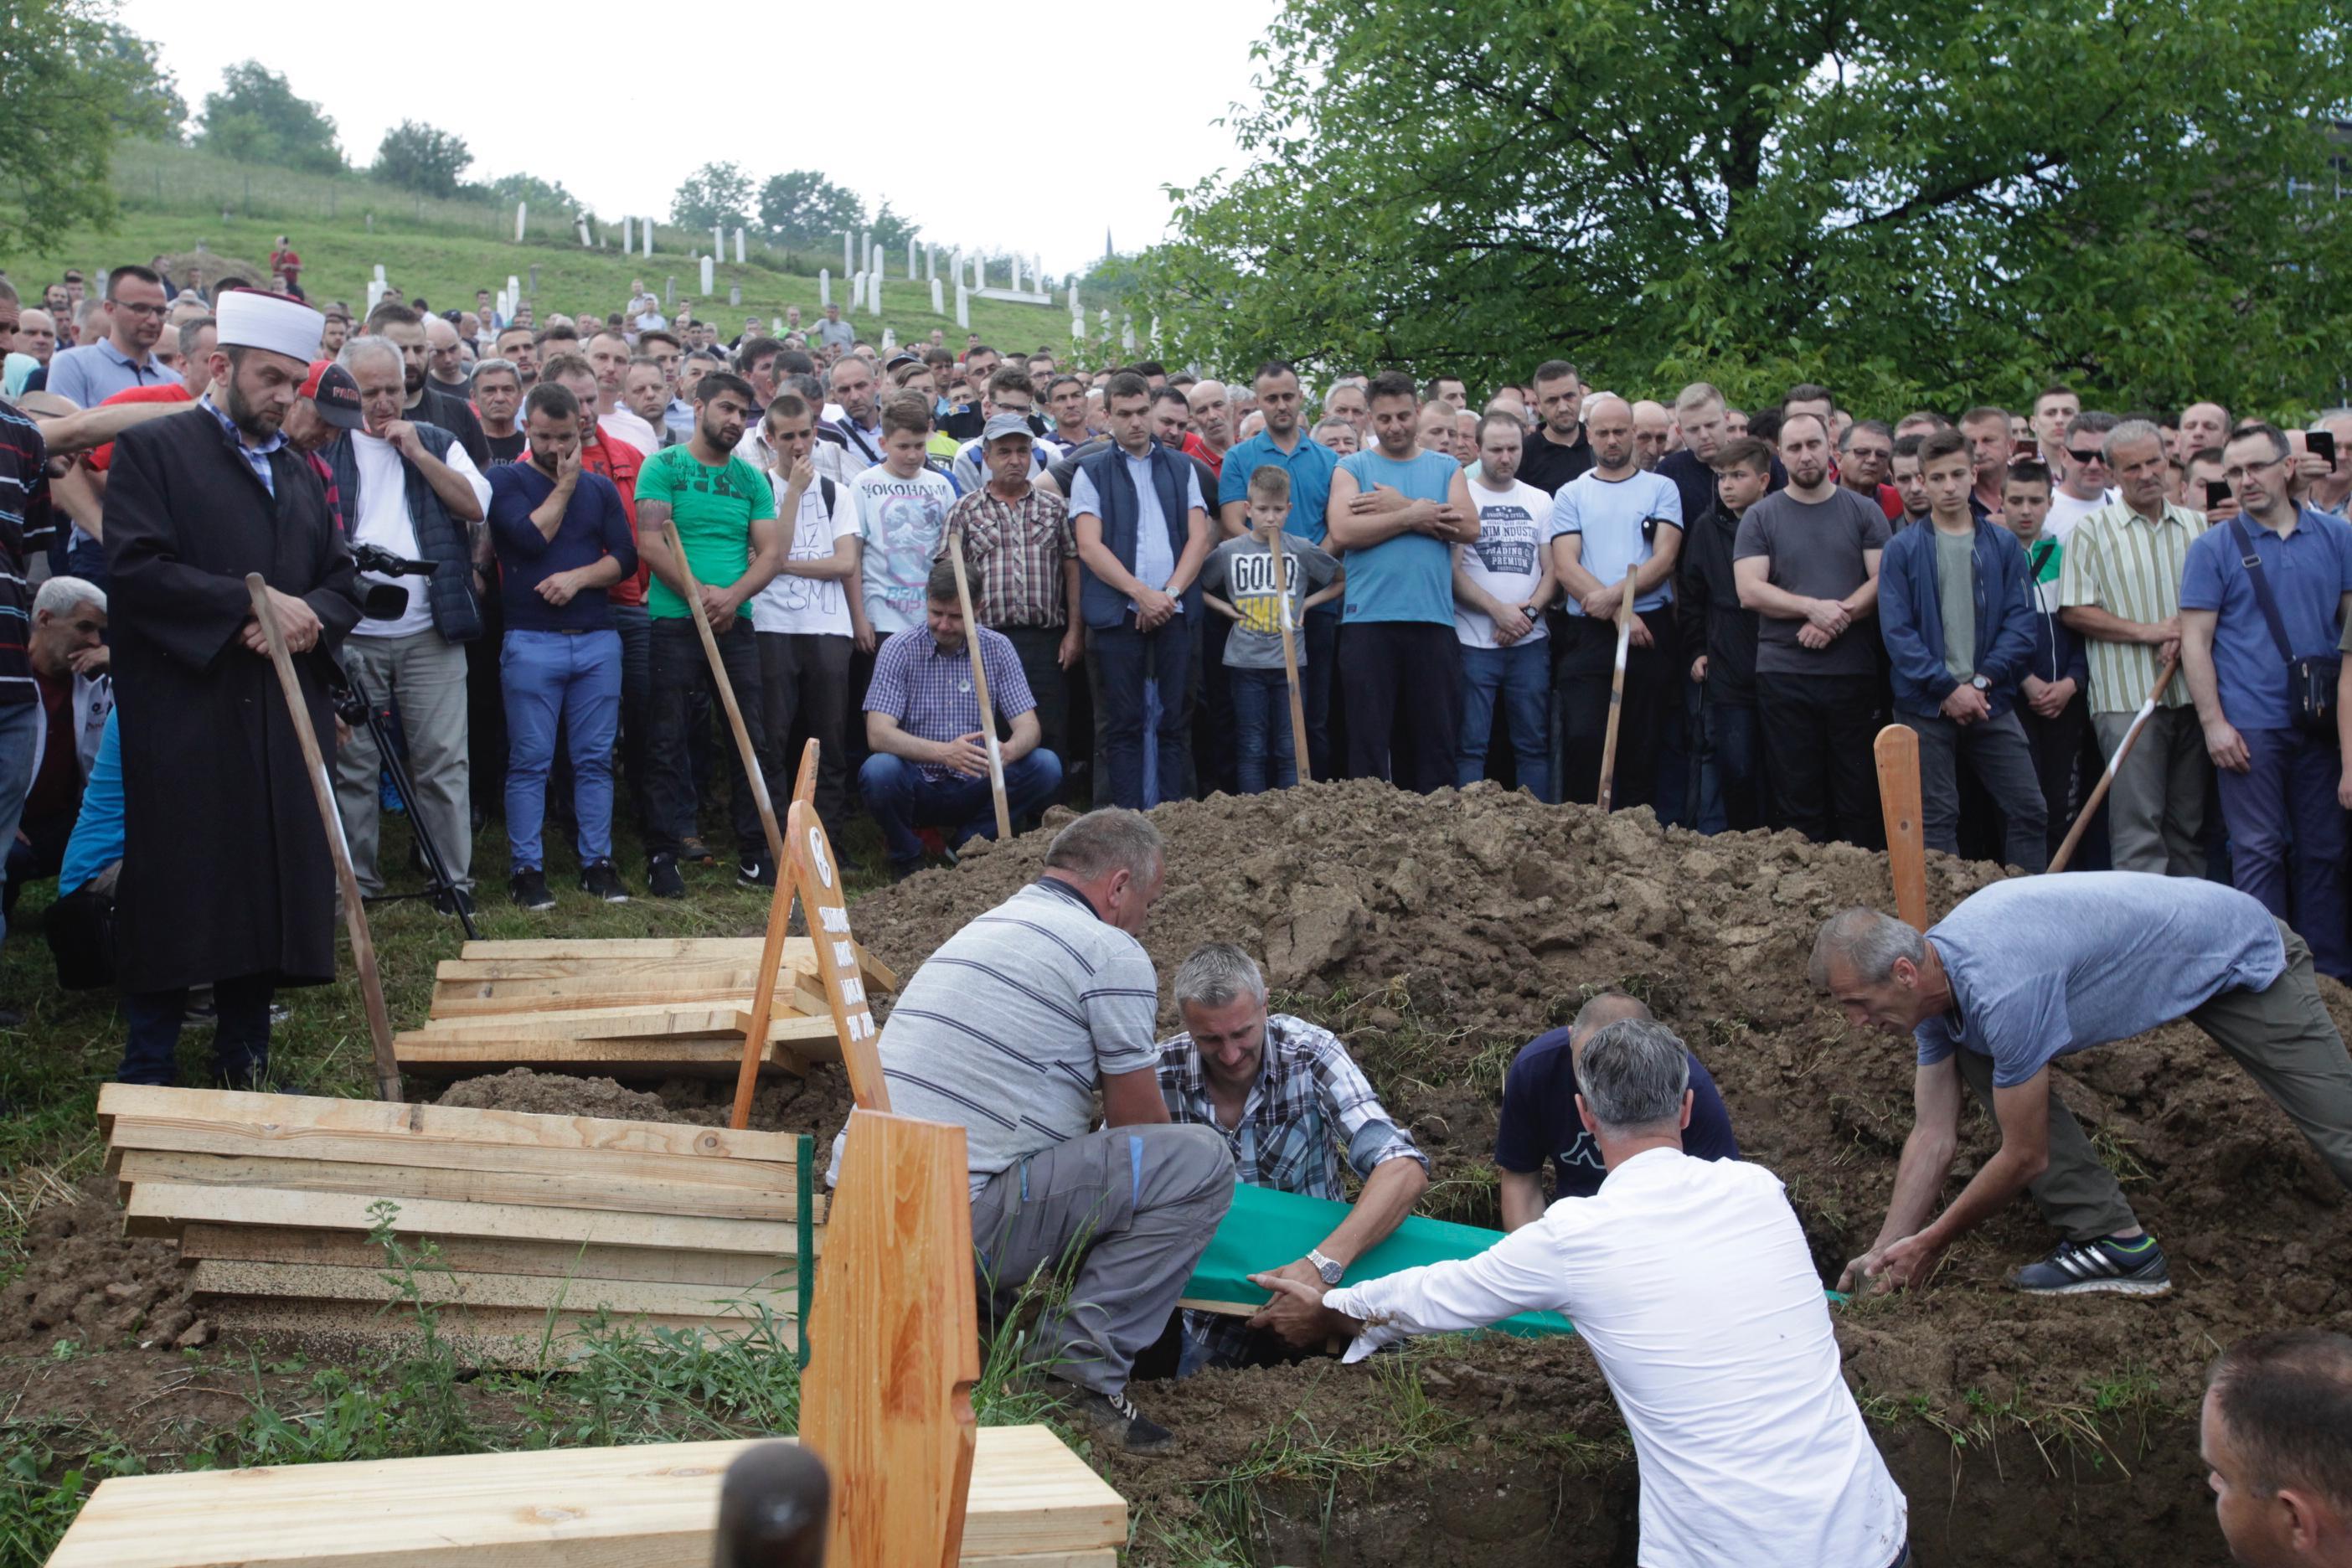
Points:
(2036, 968)
(1008, 1030)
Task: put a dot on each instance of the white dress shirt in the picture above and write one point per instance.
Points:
(1692, 1282)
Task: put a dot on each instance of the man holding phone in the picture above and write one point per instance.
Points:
(2263, 600)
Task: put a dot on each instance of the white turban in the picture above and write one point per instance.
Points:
(250, 318)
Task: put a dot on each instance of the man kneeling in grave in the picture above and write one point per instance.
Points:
(1287, 1099)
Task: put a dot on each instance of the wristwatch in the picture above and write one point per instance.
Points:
(1981, 683)
(1329, 1267)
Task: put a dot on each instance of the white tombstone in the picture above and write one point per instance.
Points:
(864, 251)
(775, 326)
(932, 262)
(1016, 274)
(628, 233)
(1076, 309)
(520, 208)
(824, 287)
(910, 258)
(375, 292)
(739, 247)
(857, 292)
(1077, 329)
(1127, 334)
(709, 280)
(1155, 334)
(514, 291)
(1106, 321)
(889, 342)
(585, 242)
(874, 287)
(379, 271)
(649, 237)
(939, 304)
(963, 308)
(717, 239)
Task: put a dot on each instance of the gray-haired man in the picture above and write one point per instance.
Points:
(1288, 1101)
(1007, 1030)
(1691, 1281)
(2035, 968)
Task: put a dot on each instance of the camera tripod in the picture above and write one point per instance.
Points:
(352, 706)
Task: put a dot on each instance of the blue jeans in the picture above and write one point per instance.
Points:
(902, 799)
(151, 1042)
(1261, 739)
(573, 678)
(2286, 828)
(20, 725)
(1730, 793)
(1141, 681)
(1521, 674)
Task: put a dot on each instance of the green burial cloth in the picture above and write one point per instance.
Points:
(1265, 1229)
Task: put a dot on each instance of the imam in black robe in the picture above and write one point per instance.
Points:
(225, 870)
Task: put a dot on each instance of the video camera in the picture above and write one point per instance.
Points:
(387, 600)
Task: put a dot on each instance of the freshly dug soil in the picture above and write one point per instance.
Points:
(84, 1281)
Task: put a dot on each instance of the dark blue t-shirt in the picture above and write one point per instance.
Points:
(1539, 1121)
(594, 526)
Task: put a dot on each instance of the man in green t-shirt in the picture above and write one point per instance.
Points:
(725, 514)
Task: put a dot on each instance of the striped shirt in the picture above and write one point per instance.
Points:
(929, 689)
(23, 514)
(1006, 1029)
(2119, 561)
(1014, 551)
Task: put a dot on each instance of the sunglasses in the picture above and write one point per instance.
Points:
(2086, 454)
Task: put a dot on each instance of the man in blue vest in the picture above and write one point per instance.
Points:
(1143, 534)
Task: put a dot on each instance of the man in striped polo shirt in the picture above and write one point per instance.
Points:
(2120, 589)
(1008, 1030)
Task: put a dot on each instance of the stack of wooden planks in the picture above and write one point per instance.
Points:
(649, 1008)
(1034, 1504)
(535, 1221)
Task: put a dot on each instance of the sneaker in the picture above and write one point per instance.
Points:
(695, 852)
(1115, 1415)
(2134, 1268)
(752, 871)
(449, 900)
(602, 879)
(528, 888)
(662, 879)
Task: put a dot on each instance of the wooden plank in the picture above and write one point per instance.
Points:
(771, 1178)
(448, 1123)
(636, 1020)
(674, 949)
(1034, 1504)
(402, 1181)
(817, 879)
(1897, 749)
(886, 1398)
(537, 1292)
(477, 1336)
(640, 1059)
(159, 1209)
(587, 1260)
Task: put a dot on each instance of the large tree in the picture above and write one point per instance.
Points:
(70, 81)
(256, 117)
(715, 194)
(419, 157)
(802, 207)
(1941, 202)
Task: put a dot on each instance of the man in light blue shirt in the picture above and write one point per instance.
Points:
(1614, 519)
(2036, 968)
(125, 357)
(1395, 512)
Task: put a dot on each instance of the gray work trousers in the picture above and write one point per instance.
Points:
(1998, 754)
(425, 677)
(1135, 1206)
(2281, 1034)
(2156, 806)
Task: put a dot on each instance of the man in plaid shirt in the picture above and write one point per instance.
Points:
(1022, 556)
(1288, 1099)
(930, 762)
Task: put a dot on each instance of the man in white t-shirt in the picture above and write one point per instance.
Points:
(1692, 1283)
(902, 510)
(802, 618)
(1502, 580)
(2088, 484)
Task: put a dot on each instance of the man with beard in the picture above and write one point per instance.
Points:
(425, 403)
(518, 347)
(726, 515)
(197, 500)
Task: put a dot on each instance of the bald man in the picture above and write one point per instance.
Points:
(1539, 1120)
(1653, 433)
(443, 360)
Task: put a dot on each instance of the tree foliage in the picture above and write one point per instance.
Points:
(714, 194)
(420, 157)
(1908, 200)
(70, 82)
(256, 117)
(543, 196)
(891, 231)
(802, 207)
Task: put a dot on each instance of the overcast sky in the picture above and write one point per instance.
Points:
(591, 95)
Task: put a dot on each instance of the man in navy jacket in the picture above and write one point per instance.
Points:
(2053, 705)
(1959, 631)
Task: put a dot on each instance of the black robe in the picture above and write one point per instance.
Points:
(225, 866)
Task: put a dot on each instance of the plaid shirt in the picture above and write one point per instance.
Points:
(1310, 1099)
(929, 690)
(1014, 551)
(25, 515)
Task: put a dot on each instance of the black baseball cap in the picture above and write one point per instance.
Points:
(330, 387)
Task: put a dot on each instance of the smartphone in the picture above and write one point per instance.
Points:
(2322, 444)
(2216, 492)
(2025, 449)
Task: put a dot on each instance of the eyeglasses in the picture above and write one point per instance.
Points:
(2086, 454)
(139, 310)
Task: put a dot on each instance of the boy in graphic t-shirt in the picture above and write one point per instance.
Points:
(1239, 582)
(902, 510)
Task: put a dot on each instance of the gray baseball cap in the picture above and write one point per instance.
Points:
(1007, 425)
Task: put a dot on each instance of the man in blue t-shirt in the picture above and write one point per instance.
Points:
(2035, 968)
(1395, 513)
(1539, 1121)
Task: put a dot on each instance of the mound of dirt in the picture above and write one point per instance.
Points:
(85, 1281)
(818, 1103)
